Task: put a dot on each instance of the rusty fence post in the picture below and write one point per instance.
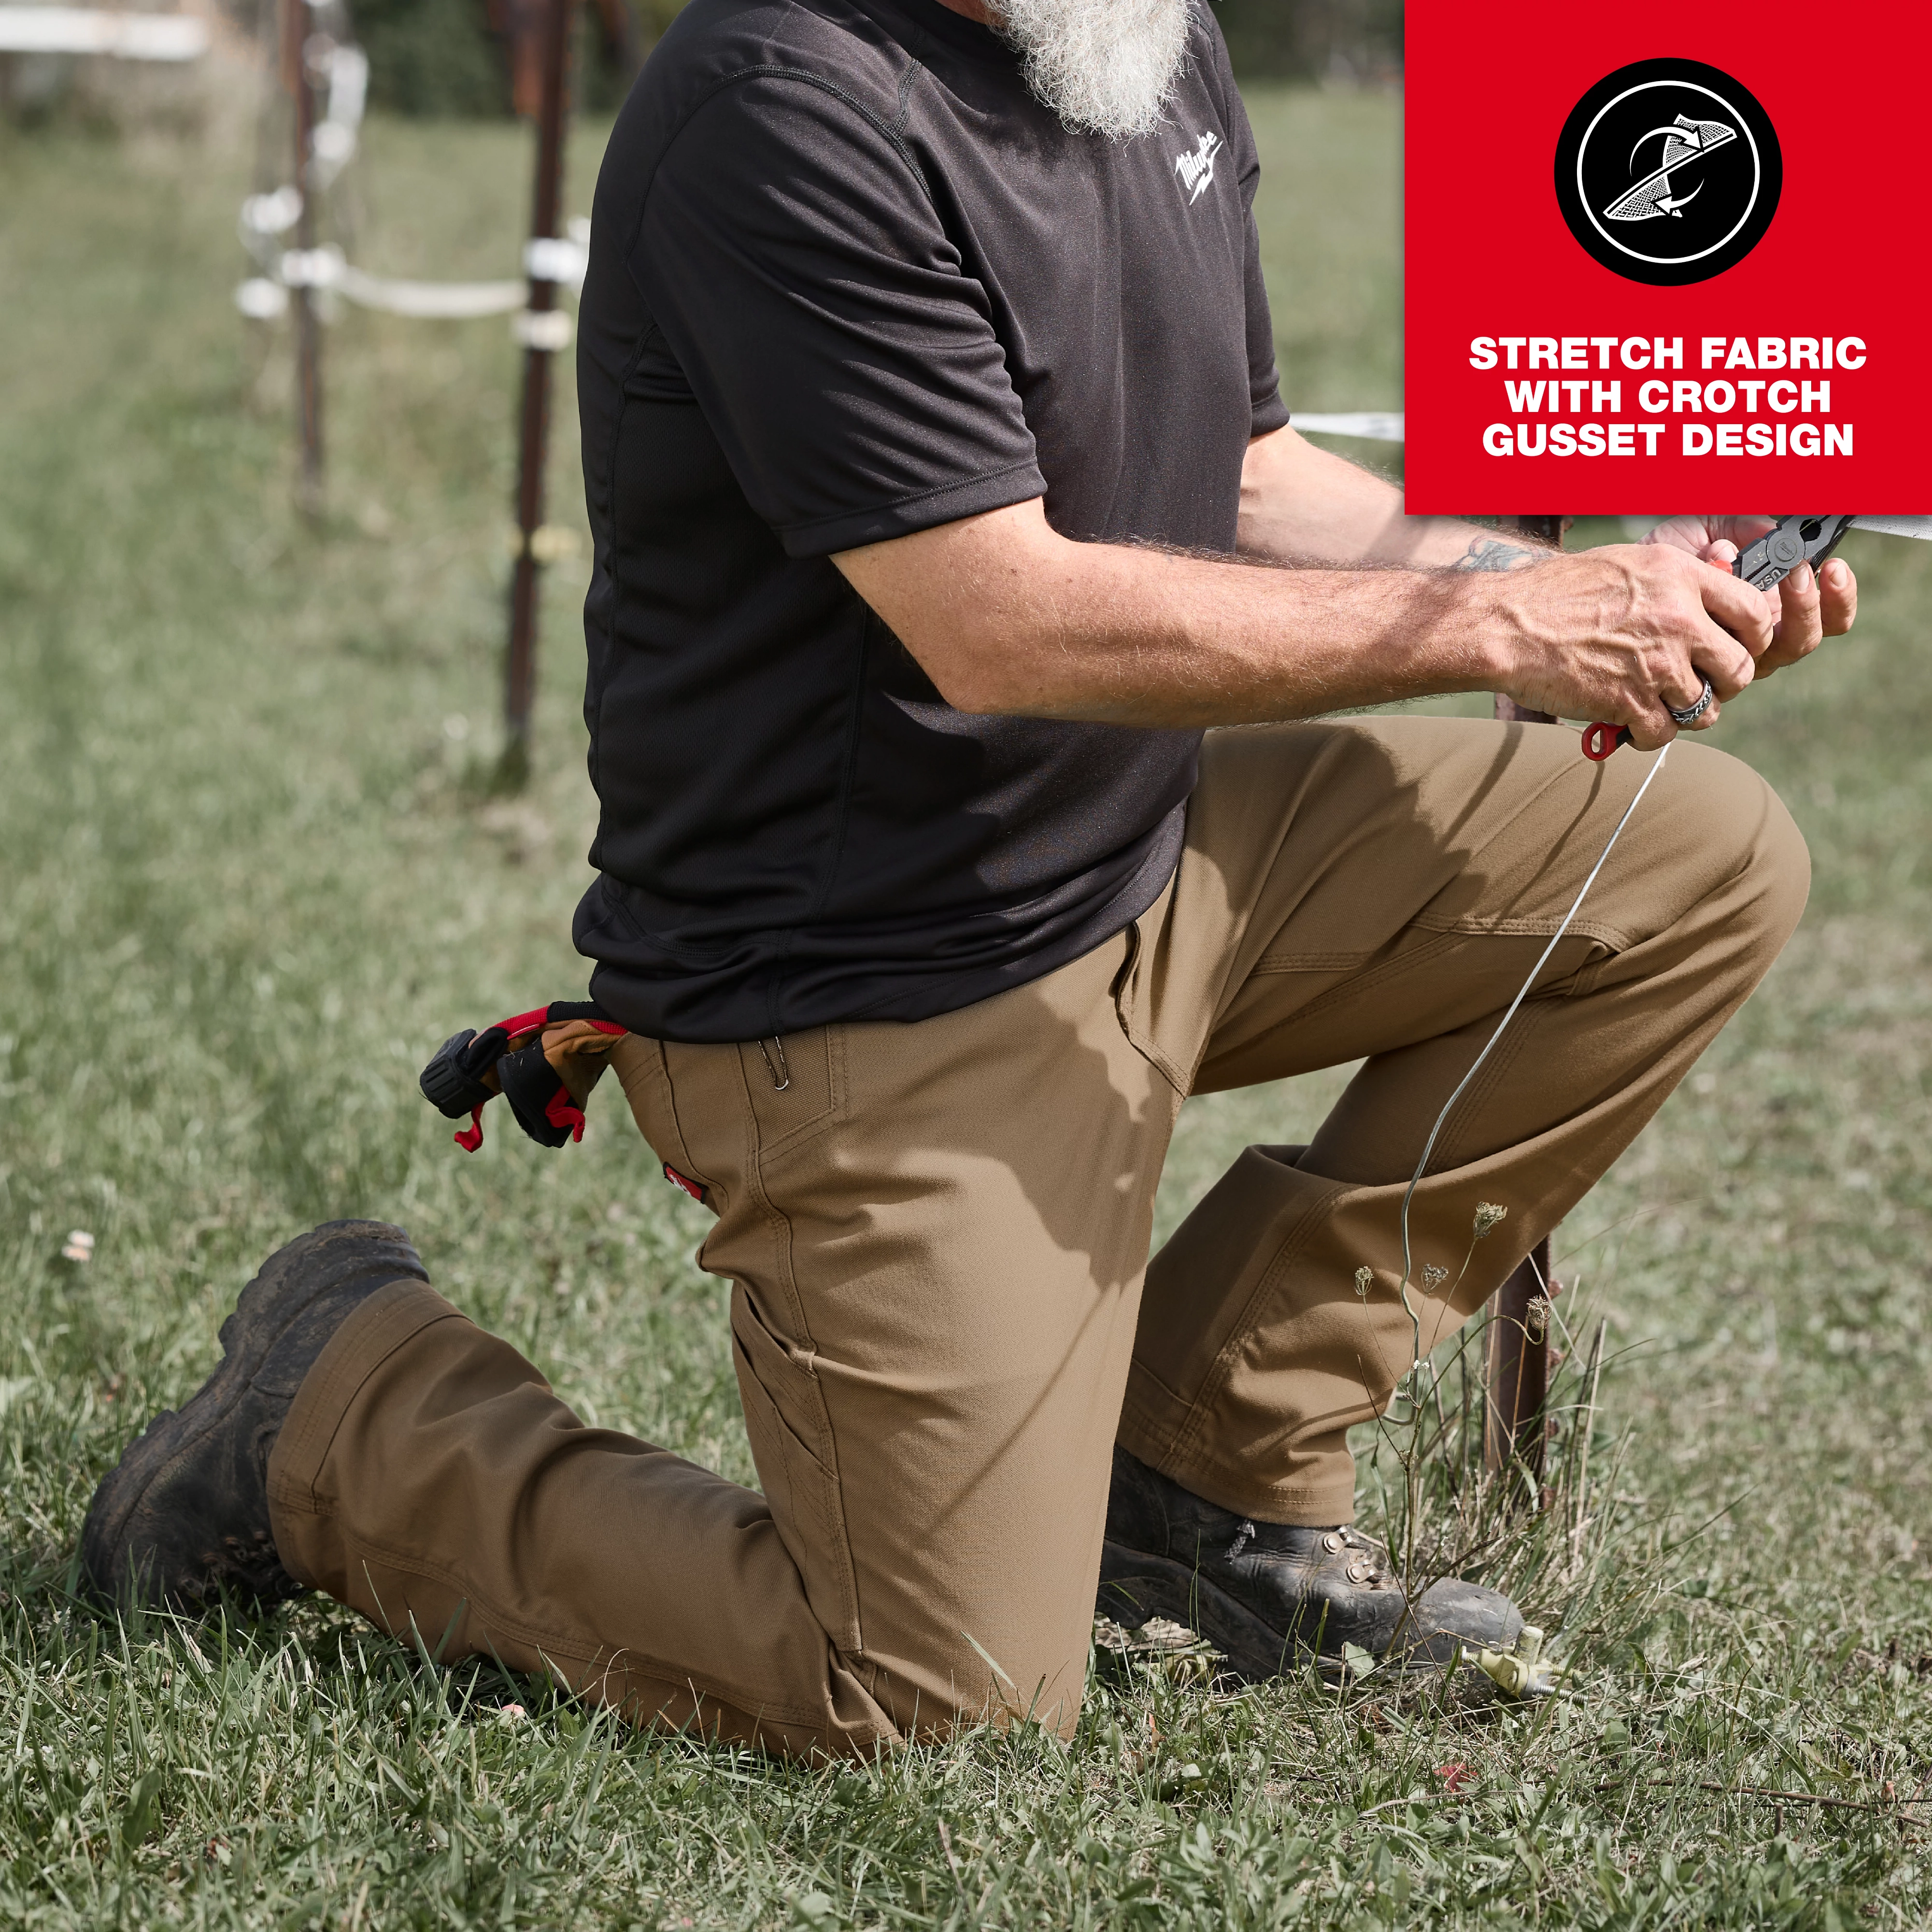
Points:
(295, 76)
(544, 329)
(1516, 1357)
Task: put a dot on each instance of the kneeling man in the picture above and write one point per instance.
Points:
(946, 514)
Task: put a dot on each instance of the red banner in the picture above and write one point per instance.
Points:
(1664, 260)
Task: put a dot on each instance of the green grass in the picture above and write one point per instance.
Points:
(249, 877)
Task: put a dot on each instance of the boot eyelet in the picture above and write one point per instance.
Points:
(1334, 1540)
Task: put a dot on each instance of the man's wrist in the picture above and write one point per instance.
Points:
(1487, 552)
(1488, 624)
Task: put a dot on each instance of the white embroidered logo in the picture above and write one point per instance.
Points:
(1197, 170)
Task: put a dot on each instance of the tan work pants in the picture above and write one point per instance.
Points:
(937, 1235)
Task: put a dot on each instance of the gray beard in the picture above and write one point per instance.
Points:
(1105, 67)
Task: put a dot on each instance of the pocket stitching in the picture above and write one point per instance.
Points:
(827, 1116)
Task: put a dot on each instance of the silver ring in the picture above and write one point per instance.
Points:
(1697, 710)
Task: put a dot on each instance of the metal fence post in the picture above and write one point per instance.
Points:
(544, 329)
(308, 323)
(1517, 1359)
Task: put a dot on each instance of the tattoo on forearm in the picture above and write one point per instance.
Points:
(1492, 554)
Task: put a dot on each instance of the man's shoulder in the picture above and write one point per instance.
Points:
(838, 45)
(1208, 64)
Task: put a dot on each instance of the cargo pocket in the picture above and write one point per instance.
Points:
(791, 1442)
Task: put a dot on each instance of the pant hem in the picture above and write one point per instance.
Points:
(377, 1329)
(1323, 1506)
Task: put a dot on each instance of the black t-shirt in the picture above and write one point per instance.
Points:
(849, 279)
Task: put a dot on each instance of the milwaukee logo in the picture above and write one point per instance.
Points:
(1668, 172)
(1196, 171)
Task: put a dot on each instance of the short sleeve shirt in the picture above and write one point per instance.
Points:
(849, 279)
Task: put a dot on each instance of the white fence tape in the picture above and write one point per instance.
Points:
(431, 301)
(310, 268)
(332, 142)
(561, 259)
(79, 30)
(266, 218)
(348, 87)
(547, 328)
(1371, 425)
(261, 300)
(324, 268)
(269, 214)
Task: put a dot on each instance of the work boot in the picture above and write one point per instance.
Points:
(183, 1515)
(1270, 1595)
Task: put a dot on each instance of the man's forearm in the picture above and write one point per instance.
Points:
(1301, 504)
(1005, 615)
(1134, 637)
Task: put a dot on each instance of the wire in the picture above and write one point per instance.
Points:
(1523, 993)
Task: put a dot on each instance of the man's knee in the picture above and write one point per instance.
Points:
(1767, 865)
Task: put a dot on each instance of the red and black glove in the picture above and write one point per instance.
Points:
(545, 1063)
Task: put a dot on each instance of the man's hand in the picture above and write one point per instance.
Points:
(1806, 607)
(1629, 633)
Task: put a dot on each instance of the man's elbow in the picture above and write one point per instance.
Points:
(982, 604)
(980, 668)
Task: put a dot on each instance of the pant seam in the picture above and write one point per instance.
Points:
(777, 1224)
(1441, 941)
(841, 1542)
(1126, 997)
(1614, 936)
(1509, 1051)
(1283, 963)
(1357, 984)
(687, 1161)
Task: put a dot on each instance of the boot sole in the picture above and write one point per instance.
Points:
(262, 1314)
(1256, 1651)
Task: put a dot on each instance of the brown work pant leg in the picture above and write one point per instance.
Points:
(936, 1235)
(1380, 890)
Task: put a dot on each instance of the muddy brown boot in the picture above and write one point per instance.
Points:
(1270, 1596)
(183, 1516)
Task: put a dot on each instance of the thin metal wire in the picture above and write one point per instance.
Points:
(1523, 993)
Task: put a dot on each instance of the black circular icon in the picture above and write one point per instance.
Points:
(1669, 172)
